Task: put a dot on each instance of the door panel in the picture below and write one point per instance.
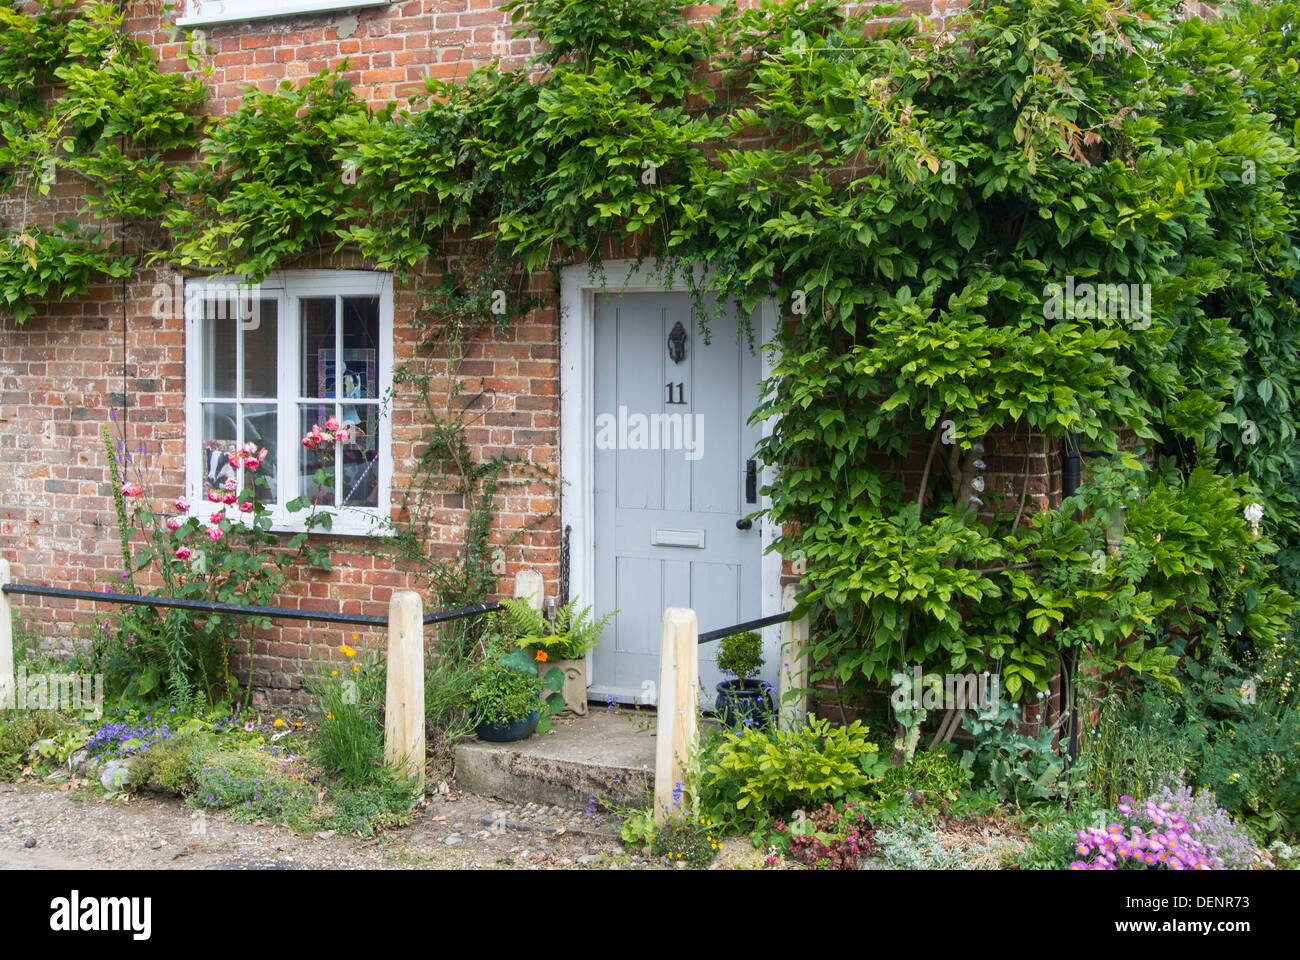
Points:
(669, 482)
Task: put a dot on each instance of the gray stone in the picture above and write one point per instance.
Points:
(452, 840)
(29, 843)
(115, 774)
(347, 26)
(37, 749)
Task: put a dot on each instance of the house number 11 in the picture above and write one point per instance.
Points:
(681, 393)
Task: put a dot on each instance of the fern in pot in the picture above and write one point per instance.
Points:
(558, 647)
(743, 699)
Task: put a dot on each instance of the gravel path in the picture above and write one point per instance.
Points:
(43, 827)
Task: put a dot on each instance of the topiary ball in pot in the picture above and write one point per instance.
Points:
(743, 699)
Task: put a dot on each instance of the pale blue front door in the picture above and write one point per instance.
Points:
(674, 471)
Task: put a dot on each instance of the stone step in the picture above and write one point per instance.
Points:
(606, 754)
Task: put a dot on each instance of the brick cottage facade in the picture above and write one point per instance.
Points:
(122, 355)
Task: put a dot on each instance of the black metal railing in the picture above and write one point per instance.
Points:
(742, 627)
(236, 609)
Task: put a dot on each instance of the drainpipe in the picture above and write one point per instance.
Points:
(1070, 457)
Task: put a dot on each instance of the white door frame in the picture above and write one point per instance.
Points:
(578, 290)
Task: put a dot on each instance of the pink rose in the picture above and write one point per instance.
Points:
(331, 424)
(182, 553)
(214, 534)
(233, 460)
(251, 463)
(214, 496)
(230, 498)
(173, 524)
(246, 507)
(181, 504)
(132, 490)
(216, 517)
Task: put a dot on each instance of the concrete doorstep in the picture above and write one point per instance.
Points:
(606, 755)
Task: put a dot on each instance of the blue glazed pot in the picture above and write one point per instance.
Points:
(744, 701)
(521, 729)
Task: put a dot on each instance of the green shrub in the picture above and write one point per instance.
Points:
(741, 654)
(172, 765)
(929, 774)
(385, 802)
(501, 695)
(19, 729)
(241, 785)
(757, 775)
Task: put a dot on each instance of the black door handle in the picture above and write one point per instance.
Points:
(751, 481)
(744, 523)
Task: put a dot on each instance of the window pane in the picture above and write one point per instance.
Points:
(361, 455)
(220, 335)
(318, 347)
(220, 437)
(360, 375)
(259, 430)
(260, 343)
(310, 459)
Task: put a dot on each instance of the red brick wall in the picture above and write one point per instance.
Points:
(70, 364)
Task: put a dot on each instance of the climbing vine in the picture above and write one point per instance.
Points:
(81, 100)
(1054, 218)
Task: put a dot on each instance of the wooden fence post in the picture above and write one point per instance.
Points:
(404, 703)
(530, 586)
(795, 664)
(678, 709)
(7, 688)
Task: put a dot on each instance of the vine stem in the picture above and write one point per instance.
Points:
(929, 462)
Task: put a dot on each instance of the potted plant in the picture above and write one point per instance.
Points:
(559, 645)
(503, 703)
(740, 657)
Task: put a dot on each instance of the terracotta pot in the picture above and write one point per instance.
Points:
(575, 685)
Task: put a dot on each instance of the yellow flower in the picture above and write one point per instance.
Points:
(278, 722)
(329, 716)
(355, 668)
(347, 651)
(334, 673)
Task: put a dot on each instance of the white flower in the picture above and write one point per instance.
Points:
(1254, 513)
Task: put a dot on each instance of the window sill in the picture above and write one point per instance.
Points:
(290, 8)
(349, 523)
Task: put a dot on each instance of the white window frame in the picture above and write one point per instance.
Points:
(198, 12)
(287, 289)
